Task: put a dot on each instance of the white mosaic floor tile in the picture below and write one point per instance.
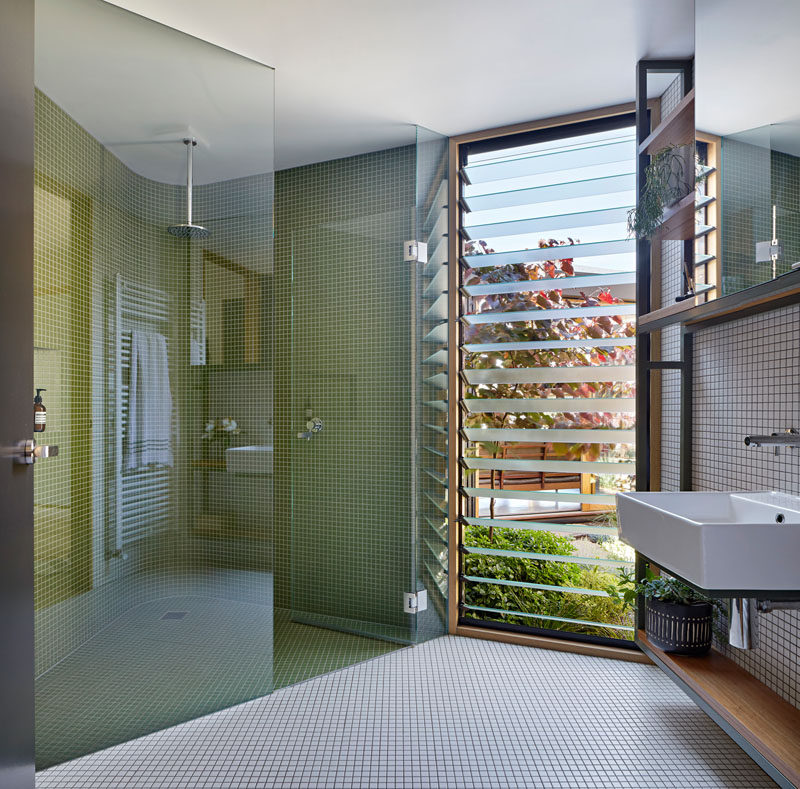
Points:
(453, 713)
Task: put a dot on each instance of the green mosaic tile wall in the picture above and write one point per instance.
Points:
(342, 343)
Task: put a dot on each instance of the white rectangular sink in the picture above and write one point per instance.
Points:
(249, 460)
(732, 541)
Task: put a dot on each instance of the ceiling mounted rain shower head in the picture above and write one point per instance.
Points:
(188, 229)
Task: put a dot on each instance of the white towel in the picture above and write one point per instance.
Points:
(149, 402)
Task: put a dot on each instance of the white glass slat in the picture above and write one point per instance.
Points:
(552, 466)
(547, 557)
(438, 357)
(534, 345)
(439, 381)
(438, 203)
(547, 315)
(494, 259)
(477, 579)
(437, 257)
(438, 310)
(541, 405)
(551, 526)
(437, 334)
(548, 618)
(551, 435)
(542, 495)
(541, 224)
(584, 282)
(438, 284)
(550, 162)
(589, 187)
(540, 375)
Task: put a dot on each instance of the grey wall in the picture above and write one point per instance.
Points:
(16, 363)
(746, 380)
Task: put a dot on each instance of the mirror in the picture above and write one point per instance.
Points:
(746, 105)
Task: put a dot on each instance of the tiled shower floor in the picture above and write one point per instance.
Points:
(455, 713)
(146, 672)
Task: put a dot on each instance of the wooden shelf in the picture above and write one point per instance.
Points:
(676, 129)
(776, 293)
(760, 721)
(678, 222)
(665, 315)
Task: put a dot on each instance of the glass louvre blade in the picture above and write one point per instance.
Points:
(547, 557)
(588, 187)
(437, 311)
(536, 375)
(551, 162)
(438, 334)
(518, 227)
(539, 587)
(588, 623)
(543, 405)
(543, 315)
(534, 345)
(541, 495)
(438, 284)
(554, 435)
(555, 528)
(586, 282)
(438, 204)
(439, 381)
(437, 357)
(555, 466)
(571, 251)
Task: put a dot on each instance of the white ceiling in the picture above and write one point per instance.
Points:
(352, 75)
(747, 66)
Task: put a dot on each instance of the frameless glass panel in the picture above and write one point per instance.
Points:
(153, 526)
(346, 407)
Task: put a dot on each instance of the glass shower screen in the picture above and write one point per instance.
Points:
(154, 525)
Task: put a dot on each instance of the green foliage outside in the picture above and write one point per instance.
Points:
(611, 609)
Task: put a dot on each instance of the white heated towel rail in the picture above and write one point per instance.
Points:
(143, 495)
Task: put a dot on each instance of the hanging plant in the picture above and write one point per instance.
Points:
(668, 178)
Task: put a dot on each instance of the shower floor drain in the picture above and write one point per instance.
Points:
(175, 615)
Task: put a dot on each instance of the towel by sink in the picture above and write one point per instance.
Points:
(149, 402)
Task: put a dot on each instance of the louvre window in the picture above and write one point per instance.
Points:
(547, 377)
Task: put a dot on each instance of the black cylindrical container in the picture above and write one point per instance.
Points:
(677, 628)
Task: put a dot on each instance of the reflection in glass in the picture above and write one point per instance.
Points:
(154, 554)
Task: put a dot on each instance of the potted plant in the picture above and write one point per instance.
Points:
(668, 178)
(678, 619)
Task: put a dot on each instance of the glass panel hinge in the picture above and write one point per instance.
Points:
(414, 602)
(415, 252)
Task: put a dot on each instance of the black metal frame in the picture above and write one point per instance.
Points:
(644, 364)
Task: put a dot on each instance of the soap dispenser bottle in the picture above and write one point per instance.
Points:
(39, 412)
